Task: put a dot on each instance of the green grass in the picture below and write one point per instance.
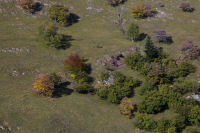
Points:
(20, 106)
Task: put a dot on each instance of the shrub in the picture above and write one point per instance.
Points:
(103, 92)
(81, 76)
(48, 32)
(151, 51)
(133, 32)
(104, 75)
(184, 69)
(83, 87)
(44, 85)
(122, 87)
(56, 41)
(126, 107)
(117, 92)
(59, 14)
(183, 86)
(153, 103)
(141, 11)
(112, 96)
(56, 79)
(163, 126)
(115, 2)
(157, 74)
(146, 122)
(73, 63)
(186, 7)
(194, 116)
(170, 126)
(189, 49)
(190, 129)
(146, 87)
(135, 61)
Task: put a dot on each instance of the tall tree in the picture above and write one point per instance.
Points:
(151, 51)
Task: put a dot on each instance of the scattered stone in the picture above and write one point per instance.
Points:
(98, 10)
(116, 60)
(19, 127)
(15, 50)
(193, 21)
(161, 36)
(161, 14)
(196, 97)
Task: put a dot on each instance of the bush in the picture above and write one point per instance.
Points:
(191, 129)
(135, 61)
(56, 41)
(122, 87)
(73, 64)
(126, 107)
(81, 76)
(141, 11)
(146, 87)
(56, 79)
(103, 92)
(133, 32)
(183, 86)
(184, 69)
(194, 116)
(146, 122)
(157, 74)
(48, 32)
(153, 103)
(186, 7)
(164, 126)
(170, 126)
(115, 2)
(104, 75)
(83, 87)
(59, 14)
(44, 85)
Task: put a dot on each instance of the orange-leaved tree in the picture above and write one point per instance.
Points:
(44, 85)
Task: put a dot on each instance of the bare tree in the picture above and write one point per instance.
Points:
(120, 21)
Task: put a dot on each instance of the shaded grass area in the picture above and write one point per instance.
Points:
(93, 36)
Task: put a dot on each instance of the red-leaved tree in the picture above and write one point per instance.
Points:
(73, 63)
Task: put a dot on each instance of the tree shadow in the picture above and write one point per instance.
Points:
(38, 7)
(72, 18)
(153, 13)
(168, 40)
(87, 68)
(190, 10)
(117, 3)
(142, 36)
(66, 42)
(61, 89)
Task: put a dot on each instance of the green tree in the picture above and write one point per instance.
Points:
(153, 103)
(194, 115)
(59, 13)
(151, 51)
(133, 32)
(144, 121)
(135, 61)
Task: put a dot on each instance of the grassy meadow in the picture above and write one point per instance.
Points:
(26, 112)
